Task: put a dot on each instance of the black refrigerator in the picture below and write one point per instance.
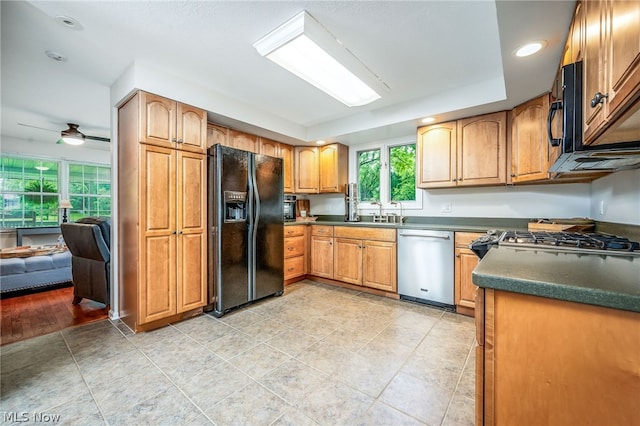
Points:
(246, 228)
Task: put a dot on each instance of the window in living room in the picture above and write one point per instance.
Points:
(89, 190)
(30, 192)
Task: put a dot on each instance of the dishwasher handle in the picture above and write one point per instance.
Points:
(440, 237)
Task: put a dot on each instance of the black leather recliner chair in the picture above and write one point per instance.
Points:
(89, 241)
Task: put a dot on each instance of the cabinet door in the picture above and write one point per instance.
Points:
(379, 265)
(333, 168)
(216, 135)
(465, 262)
(157, 283)
(243, 141)
(436, 153)
(594, 68)
(157, 120)
(347, 260)
(482, 145)
(306, 170)
(529, 145)
(191, 224)
(269, 147)
(286, 152)
(191, 128)
(322, 256)
(623, 73)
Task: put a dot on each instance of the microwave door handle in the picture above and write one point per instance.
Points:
(555, 106)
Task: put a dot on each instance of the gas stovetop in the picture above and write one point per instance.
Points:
(571, 241)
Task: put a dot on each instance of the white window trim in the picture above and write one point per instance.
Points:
(368, 207)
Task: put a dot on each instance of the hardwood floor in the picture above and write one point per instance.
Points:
(41, 313)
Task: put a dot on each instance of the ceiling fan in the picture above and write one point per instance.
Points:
(72, 135)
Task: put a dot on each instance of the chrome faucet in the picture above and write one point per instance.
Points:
(398, 203)
(377, 218)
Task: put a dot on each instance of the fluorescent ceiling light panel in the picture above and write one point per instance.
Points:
(305, 48)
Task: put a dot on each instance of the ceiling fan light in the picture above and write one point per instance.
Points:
(73, 140)
(72, 135)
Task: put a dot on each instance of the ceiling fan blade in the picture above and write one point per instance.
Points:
(97, 138)
(36, 127)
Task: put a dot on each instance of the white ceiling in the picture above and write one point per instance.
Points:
(445, 58)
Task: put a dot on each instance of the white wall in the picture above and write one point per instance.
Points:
(616, 198)
(530, 201)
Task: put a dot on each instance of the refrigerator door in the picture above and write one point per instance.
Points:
(229, 279)
(268, 236)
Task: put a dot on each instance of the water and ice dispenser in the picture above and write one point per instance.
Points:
(235, 206)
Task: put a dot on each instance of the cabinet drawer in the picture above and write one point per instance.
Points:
(294, 231)
(376, 234)
(326, 231)
(293, 246)
(463, 239)
(293, 267)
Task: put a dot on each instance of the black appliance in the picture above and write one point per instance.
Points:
(289, 208)
(245, 216)
(574, 155)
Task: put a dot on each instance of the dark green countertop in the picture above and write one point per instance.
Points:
(458, 224)
(611, 281)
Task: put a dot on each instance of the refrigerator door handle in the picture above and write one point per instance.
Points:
(256, 220)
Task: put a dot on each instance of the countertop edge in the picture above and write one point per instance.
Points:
(588, 296)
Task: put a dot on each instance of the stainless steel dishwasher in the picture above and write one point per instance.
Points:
(425, 266)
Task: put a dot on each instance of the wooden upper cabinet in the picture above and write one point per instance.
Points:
(306, 169)
(611, 69)
(217, 135)
(436, 154)
(482, 150)
(575, 39)
(530, 159)
(593, 68)
(243, 141)
(158, 120)
(466, 152)
(191, 129)
(623, 54)
(269, 147)
(286, 152)
(333, 167)
(171, 124)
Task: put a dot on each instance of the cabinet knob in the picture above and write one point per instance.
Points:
(598, 98)
(290, 269)
(457, 255)
(455, 180)
(513, 175)
(174, 140)
(179, 232)
(290, 248)
(174, 233)
(180, 140)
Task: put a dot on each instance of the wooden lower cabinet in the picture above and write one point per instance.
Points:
(464, 263)
(543, 361)
(321, 251)
(366, 257)
(347, 260)
(295, 251)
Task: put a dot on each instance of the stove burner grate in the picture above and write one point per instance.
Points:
(585, 241)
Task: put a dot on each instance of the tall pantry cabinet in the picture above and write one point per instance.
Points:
(161, 210)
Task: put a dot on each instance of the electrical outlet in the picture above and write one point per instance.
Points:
(601, 207)
(446, 208)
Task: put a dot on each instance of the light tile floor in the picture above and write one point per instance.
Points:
(319, 355)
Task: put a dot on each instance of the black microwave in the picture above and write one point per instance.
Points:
(289, 208)
(574, 155)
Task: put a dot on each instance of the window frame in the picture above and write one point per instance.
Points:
(63, 177)
(385, 175)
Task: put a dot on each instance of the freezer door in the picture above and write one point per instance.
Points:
(268, 244)
(231, 280)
